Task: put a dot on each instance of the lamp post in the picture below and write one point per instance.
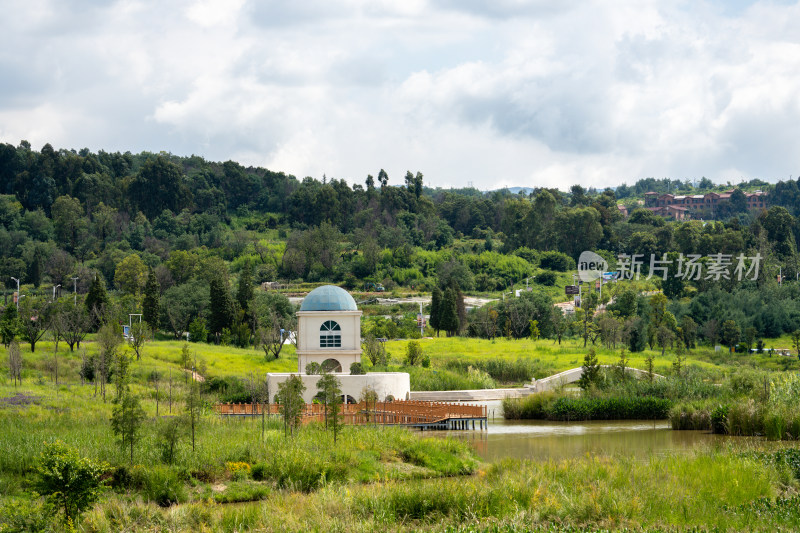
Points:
(55, 287)
(75, 290)
(18, 295)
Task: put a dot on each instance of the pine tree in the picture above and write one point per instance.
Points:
(436, 310)
(448, 316)
(591, 370)
(221, 306)
(150, 307)
(244, 291)
(96, 299)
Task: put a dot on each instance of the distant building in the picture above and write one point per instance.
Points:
(683, 207)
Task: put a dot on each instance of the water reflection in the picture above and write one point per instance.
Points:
(559, 440)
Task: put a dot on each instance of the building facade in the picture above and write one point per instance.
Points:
(681, 207)
(329, 334)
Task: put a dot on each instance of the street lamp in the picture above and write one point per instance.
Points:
(17, 280)
(54, 291)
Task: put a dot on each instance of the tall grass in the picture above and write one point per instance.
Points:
(564, 408)
(702, 491)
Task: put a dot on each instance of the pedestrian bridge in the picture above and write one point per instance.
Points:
(574, 374)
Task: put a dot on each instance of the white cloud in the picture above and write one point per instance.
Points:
(507, 93)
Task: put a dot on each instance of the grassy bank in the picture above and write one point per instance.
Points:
(702, 490)
(770, 411)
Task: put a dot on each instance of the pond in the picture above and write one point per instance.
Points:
(542, 440)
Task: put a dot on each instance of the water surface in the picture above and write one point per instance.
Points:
(541, 440)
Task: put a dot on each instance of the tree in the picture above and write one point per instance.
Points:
(221, 306)
(413, 353)
(150, 307)
(274, 334)
(244, 291)
(622, 365)
(15, 363)
(109, 337)
(750, 334)
(689, 330)
(73, 323)
(534, 329)
(131, 274)
(560, 324)
(436, 310)
(374, 350)
(170, 431)
(796, 341)
(137, 337)
(127, 416)
(291, 403)
(664, 336)
(330, 392)
(731, 333)
(96, 300)
(9, 324)
(33, 320)
(677, 365)
(70, 483)
(183, 303)
(194, 403)
(590, 370)
(649, 360)
(68, 220)
(448, 313)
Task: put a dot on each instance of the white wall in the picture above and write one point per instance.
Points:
(396, 384)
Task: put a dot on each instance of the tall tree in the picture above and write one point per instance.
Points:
(96, 299)
(33, 319)
(244, 290)
(591, 370)
(221, 306)
(291, 403)
(330, 391)
(150, 307)
(127, 417)
(448, 315)
(436, 309)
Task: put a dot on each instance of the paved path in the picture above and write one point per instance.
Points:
(469, 395)
(538, 385)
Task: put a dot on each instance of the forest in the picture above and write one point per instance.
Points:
(188, 242)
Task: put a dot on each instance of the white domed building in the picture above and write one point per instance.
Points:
(329, 334)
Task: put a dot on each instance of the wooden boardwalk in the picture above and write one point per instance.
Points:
(419, 414)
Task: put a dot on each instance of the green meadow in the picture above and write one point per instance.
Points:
(245, 474)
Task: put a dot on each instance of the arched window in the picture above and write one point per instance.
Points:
(330, 335)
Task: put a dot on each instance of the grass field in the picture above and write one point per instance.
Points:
(373, 478)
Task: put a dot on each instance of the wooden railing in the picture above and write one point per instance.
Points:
(397, 412)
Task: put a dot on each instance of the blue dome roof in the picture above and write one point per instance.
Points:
(328, 298)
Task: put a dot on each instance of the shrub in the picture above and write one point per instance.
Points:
(719, 419)
(242, 492)
(546, 278)
(198, 332)
(690, 417)
(69, 482)
(556, 261)
(356, 369)
(160, 484)
(531, 407)
(615, 408)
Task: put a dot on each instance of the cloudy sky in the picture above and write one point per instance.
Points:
(495, 93)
